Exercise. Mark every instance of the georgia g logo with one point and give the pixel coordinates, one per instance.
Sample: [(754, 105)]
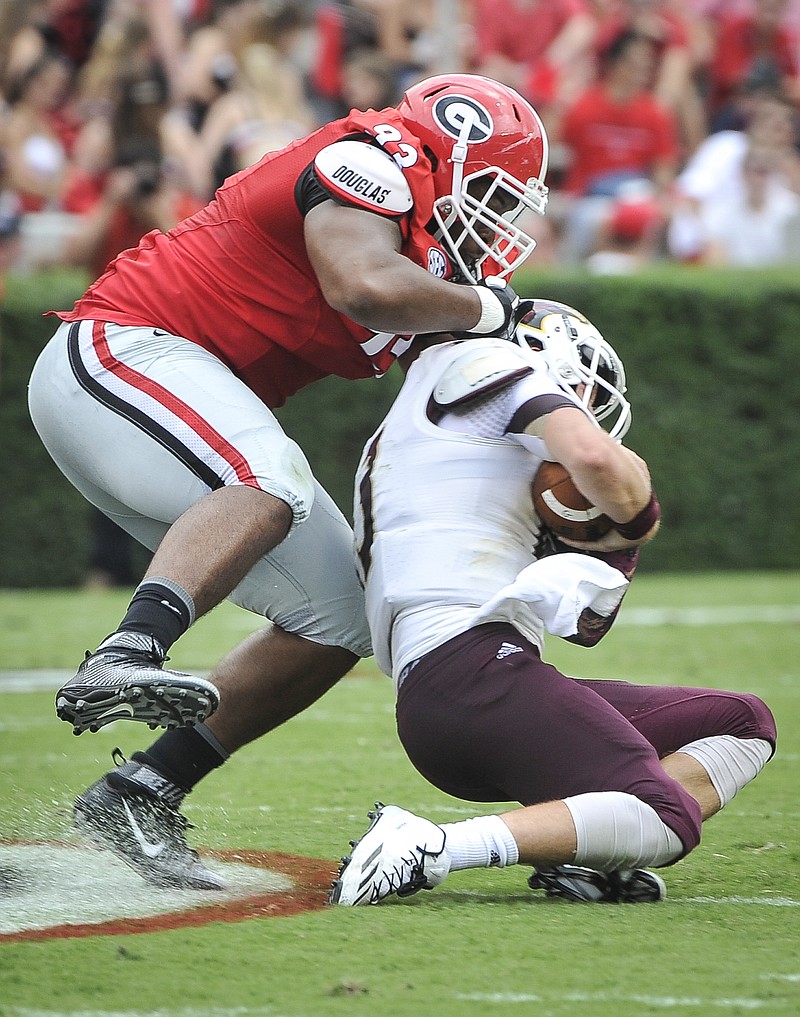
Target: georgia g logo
[(465, 118)]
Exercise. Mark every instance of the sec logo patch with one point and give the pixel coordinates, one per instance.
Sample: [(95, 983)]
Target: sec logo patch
[(437, 263)]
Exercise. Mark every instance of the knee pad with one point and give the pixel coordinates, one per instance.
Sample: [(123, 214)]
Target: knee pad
[(730, 762), (616, 830)]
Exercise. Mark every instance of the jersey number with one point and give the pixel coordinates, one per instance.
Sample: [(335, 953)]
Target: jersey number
[(389, 137)]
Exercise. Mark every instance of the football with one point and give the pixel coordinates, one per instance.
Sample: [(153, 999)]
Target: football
[(563, 509)]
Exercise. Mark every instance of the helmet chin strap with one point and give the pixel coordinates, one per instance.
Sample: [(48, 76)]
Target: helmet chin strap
[(459, 158)]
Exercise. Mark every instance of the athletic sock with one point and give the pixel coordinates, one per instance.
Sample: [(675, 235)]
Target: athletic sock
[(480, 842), (184, 755), (160, 608)]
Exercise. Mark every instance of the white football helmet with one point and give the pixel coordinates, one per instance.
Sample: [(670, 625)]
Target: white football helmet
[(488, 151), (575, 354)]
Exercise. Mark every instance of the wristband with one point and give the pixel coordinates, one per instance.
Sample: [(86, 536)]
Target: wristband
[(493, 317), (642, 522)]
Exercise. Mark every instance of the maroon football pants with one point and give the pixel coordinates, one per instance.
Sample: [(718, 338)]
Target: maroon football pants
[(483, 718)]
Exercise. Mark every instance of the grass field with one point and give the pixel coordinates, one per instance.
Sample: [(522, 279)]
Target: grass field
[(726, 941)]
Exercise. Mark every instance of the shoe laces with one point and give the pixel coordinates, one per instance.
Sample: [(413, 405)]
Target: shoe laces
[(152, 654), (405, 878)]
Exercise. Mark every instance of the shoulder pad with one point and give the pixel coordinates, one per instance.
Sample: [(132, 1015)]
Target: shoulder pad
[(478, 368), (360, 174)]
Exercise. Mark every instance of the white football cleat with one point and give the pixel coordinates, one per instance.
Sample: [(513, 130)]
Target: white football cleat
[(399, 854)]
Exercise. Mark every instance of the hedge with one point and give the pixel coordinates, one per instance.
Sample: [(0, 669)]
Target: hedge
[(711, 361)]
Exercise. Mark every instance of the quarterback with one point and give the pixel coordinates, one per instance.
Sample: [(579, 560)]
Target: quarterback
[(154, 398), (461, 585)]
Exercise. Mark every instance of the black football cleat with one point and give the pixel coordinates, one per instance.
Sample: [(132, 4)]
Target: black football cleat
[(124, 679), (577, 883)]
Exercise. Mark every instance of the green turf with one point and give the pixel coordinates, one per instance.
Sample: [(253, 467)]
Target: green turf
[(727, 940)]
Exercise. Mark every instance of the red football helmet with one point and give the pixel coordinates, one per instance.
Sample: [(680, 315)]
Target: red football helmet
[(489, 150)]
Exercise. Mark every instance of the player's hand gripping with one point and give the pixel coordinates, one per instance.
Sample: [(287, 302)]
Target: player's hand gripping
[(501, 312), (645, 525)]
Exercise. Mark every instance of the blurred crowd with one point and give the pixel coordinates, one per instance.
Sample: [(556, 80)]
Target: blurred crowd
[(673, 123)]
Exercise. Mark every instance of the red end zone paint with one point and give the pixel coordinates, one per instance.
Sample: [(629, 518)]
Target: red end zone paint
[(310, 880)]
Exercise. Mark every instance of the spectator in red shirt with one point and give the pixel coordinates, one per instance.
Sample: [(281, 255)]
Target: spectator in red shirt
[(137, 197), (761, 41), (617, 130), (619, 140), (539, 47), (679, 55), (342, 28)]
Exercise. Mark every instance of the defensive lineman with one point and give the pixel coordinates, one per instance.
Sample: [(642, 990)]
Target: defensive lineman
[(155, 395)]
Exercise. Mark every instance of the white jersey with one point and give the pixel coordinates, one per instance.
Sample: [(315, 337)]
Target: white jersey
[(419, 480)]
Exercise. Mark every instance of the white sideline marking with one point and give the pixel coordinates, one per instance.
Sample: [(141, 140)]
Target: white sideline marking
[(47, 884), (769, 614), (44, 679), (31, 681), (775, 902), (238, 1011), (668, 1002), (224, 810)]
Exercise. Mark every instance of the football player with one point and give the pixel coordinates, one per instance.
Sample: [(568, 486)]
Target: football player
[(460, 588), (154, 398)]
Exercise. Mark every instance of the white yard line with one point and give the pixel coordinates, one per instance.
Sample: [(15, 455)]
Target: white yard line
[(775, 902), (238, 1011), (761, 614), (591, 998), (492, 998)]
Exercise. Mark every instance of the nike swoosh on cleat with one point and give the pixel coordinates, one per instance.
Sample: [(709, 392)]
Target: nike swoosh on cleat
[(151, 850), (120, 707)]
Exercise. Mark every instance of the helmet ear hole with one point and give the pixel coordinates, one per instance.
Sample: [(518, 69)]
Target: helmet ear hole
[(434, 161)]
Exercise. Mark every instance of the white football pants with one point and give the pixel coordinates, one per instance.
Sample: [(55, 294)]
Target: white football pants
[(144, 424)]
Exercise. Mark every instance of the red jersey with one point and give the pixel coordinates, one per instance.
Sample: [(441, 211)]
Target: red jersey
[(740, 47), (522, 32), (235, 277), (667, 29), (606, 137)]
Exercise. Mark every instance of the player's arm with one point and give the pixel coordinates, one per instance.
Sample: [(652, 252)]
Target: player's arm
[(612, 477), (353, 240), (361, 272)]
